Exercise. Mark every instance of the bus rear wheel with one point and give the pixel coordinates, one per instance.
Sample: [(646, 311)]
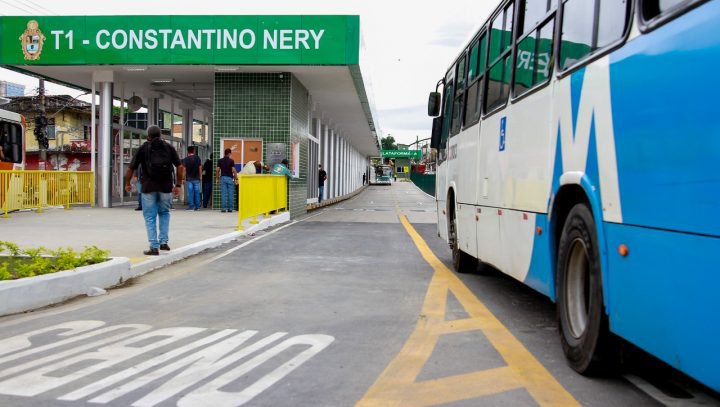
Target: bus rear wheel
[(580, 309), (462, 262)]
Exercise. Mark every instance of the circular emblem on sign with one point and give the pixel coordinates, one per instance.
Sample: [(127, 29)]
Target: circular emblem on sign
[(32, 41)]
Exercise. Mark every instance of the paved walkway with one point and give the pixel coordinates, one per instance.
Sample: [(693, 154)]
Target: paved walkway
[(120, 229)]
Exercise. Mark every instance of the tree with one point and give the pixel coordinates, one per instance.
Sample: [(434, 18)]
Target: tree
[(388, 143)]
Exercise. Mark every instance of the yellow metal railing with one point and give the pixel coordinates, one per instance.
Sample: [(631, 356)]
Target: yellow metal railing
[(42, 189), (260, 195)]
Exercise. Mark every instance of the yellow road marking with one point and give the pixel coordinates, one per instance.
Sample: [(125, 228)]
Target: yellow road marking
[(397, 385)]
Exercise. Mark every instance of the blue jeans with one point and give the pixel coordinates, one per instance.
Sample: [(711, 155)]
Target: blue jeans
[(193, 192), (320, 195), (227, 192), (156, 205)]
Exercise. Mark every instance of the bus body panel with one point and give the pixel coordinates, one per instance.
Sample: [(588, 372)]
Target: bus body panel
[(667, 129), (441, 195), (665, 297), (467, 234), (465, 164)]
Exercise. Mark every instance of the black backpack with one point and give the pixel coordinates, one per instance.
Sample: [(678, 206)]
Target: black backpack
[(158, 160)]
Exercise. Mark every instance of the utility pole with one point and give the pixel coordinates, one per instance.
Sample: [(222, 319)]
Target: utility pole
[(41, 127)]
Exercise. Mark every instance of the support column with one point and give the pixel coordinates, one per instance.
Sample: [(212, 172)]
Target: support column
[(324, 144), (187, 124), (333, 163), (104, 174), (343, 167), (343, 186), (153, 110)]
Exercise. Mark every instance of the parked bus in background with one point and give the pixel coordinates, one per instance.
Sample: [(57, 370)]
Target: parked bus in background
[(578, 143), (12, 141), (383, 174)]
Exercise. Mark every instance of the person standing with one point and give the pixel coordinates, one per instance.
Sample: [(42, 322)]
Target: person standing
[(193, 169), (364, 178), (157, 159), (226, 176), (322, 177), (207, 181)]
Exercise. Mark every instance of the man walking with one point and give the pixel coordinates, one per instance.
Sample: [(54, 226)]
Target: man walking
[(322, 177), (157, 158), (226, 176), (193, 169)]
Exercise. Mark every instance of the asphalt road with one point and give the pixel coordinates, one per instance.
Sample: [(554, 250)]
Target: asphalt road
[(352, 305)]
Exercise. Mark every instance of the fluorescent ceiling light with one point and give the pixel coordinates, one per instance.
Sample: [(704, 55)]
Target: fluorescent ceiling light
[(163, 80), (135, 68)]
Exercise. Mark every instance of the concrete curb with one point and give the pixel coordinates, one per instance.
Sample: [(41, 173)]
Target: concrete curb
[(35, 292), (31, 293)]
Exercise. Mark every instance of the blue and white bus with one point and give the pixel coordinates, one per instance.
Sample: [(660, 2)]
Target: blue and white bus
[(578, 145)]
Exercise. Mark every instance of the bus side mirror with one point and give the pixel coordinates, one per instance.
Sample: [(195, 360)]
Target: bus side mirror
[(434, 104), (436, 130)]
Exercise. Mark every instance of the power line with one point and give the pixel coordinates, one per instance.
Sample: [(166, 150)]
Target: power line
[(24, 8), (41, 7)]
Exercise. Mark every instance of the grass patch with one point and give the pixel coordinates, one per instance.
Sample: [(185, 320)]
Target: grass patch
[(23, 263)]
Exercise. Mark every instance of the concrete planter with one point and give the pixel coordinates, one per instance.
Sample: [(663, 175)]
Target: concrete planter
[(34, 292)]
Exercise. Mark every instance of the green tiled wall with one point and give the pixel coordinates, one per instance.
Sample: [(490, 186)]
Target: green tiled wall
[(299, 129), (260, 105)]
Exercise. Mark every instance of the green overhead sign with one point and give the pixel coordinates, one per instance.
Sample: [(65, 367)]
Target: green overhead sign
[(180, 40), (416, 154)]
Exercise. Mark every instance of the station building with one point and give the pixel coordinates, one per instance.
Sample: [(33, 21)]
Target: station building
[(268, 87)]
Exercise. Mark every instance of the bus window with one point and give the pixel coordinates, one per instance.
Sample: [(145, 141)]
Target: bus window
[(577, 31), (10, 142), (472, 62), (584, 31), (500, 59), (458, 100), (534, 53), (473, 97), (655, 8), (447, 114), (611, 22)]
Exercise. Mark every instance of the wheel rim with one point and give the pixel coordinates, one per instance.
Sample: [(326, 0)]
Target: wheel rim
[(577, 288)]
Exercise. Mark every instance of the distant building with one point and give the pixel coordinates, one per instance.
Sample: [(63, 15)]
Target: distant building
[(11, 89), (68, 130)]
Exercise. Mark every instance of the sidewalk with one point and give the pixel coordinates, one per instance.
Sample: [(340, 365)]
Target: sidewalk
[(120, 230)]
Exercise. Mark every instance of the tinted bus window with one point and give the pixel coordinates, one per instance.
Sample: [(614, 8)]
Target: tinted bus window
[(447, 114), (473, 62), (10, 142), (474, 94), (498, 78), (655, 8)]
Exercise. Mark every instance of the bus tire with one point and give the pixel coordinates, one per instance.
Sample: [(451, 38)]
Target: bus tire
[(462, 262), (580, 307)]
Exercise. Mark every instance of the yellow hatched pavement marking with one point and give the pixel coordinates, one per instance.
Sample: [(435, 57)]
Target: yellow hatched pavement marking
[(397, 385)]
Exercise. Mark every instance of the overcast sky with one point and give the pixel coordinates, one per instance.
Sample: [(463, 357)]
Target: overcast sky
[(408, 44)]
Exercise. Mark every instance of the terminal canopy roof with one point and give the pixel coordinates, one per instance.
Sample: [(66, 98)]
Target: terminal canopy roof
[(178, 56)]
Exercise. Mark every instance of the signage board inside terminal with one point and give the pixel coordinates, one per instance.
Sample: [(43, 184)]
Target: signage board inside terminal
[(179, 40), (416, 154)]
